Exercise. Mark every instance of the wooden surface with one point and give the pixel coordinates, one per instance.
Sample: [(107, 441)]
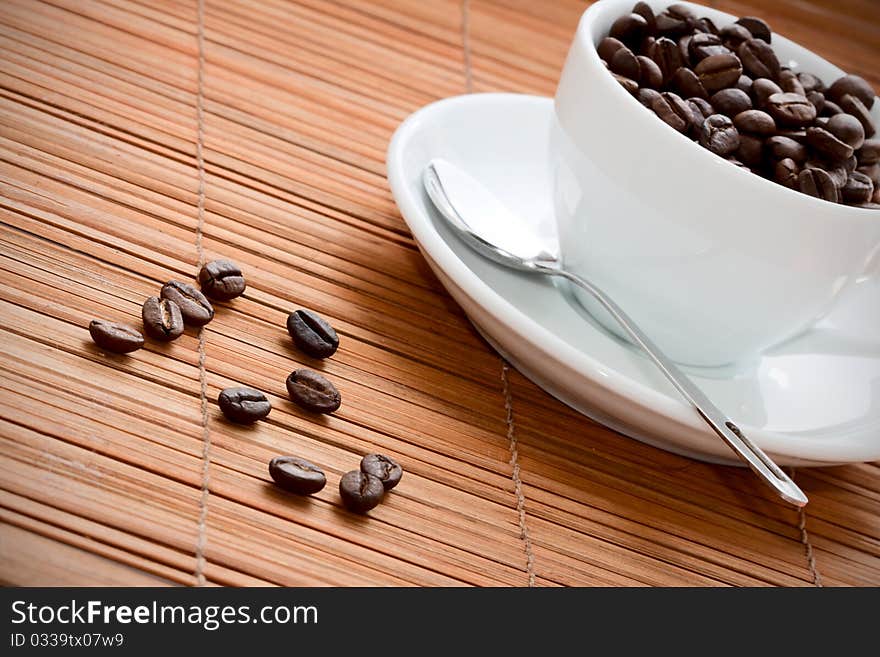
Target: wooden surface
[(137, 137)]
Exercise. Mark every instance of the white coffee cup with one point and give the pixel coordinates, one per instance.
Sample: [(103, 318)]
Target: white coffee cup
[(715, 263)]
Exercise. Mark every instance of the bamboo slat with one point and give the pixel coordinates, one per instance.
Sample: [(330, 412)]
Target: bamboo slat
[(138, 137)]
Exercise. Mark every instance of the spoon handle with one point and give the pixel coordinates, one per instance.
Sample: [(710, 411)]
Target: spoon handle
[(761, 464)]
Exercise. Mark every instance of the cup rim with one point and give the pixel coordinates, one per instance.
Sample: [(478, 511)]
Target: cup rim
[(811, 203)]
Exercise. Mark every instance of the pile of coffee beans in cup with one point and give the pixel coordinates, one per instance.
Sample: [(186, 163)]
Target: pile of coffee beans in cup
[(726, 89)]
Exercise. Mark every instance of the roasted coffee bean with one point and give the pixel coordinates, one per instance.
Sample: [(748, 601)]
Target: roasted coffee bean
[(686, 83), (649, 73), (869, 153), (683, 48), (731, 101), (756, 27), (387, 470), (735, 162), (360, 491), (818, 183), (851, 85), (758, 59), (115, 337), (827, 145), (647, 46), (744, 84), (750, 150), (630, 85), (194, 306), (682, 12), (797, 135), (629, 28), (647, 97), (762, 89), (667, 57), (847, 129), (733, 36), (718, 71), (780, 148), (830, 108), (162, 319), (222, 280), (872, 171), (607, 47), (670, 26), (719, 135), (704, 45), (244, 405), (858, 188), (644, 10), (837, 172), (790, 83), (810, 82), (853, 105), (313, 391), (817, 98), (755, 122), (624, 63), (790, 110), (786, 173), (674, 111), (706, 25), (297, 475), (700, 109), (850, 164), (312, 333)]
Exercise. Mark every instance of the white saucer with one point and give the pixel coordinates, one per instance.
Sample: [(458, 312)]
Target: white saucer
[(813, 401)]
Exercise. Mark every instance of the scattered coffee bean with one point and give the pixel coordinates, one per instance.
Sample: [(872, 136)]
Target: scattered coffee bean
[(297, 475), (756, 27), (195, 308), (755, 122), (719, 135), (818, 183), (751, 150), (644, 10), (733, 36), (387, 470), (115, 337), (731, 101), (313, 391), (700, 109), (704, 45), (162, 319), (718, 71), (360, 491), (817, 98), (222, 280), (851, 85), (830, 108), (706, 25), (758, 59), (827, 145), (810, 82), (312, 333), (745, 84), (647, 97), (244, 405), (858, 188), (847, 129)]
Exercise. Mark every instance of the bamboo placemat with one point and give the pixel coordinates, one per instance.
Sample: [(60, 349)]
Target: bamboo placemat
[(140, 137)]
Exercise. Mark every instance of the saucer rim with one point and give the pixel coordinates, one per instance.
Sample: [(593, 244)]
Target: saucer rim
[(645, 399)]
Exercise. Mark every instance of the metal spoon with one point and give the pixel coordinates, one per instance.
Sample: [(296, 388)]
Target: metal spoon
[(485, 225)]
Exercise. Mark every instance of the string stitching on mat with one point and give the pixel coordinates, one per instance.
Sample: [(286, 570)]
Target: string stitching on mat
[(517, 481), (203, 378), (805, 539)]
